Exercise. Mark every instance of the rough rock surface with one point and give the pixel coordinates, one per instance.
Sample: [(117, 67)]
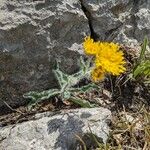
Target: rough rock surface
[(124, 21), (33, 33), (56, 132)]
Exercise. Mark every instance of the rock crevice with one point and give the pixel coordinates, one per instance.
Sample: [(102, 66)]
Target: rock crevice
[(89, 17)]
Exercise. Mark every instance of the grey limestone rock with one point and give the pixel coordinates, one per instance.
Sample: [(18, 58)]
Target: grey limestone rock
[(123, 21), (34, 33), (56, 132)]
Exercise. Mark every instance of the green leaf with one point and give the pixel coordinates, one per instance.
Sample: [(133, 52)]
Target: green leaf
[(88, 87), (139, 69), (66, 95), (66, 83), (142, 69), (81, 102), (85, 65), (143, 50), (85, 88), (39, 96), (147, 81), (62, 78), (82, 65)]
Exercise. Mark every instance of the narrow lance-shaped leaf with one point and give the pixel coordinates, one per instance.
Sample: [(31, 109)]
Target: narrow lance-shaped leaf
[(143, 50), (142, 68), (81, 102), (39, 96), (62, 78), (85, 88)]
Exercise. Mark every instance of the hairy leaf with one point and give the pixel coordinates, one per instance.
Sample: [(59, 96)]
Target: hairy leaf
[(82, 103), (85, 88), (39, 96)]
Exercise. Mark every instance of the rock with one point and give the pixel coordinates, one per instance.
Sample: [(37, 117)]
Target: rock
[(125, 21), (56, 132), (33, 34)]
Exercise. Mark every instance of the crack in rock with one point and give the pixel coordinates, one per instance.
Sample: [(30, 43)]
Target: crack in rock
[(89, 17), (134, 10)]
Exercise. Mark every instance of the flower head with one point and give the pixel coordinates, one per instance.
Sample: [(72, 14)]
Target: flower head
[(108, 58), (97, 74), (90, 47)]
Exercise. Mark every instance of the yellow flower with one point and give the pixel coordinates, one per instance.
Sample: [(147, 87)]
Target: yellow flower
[(97, 74), (110, 58), (90, 47)]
